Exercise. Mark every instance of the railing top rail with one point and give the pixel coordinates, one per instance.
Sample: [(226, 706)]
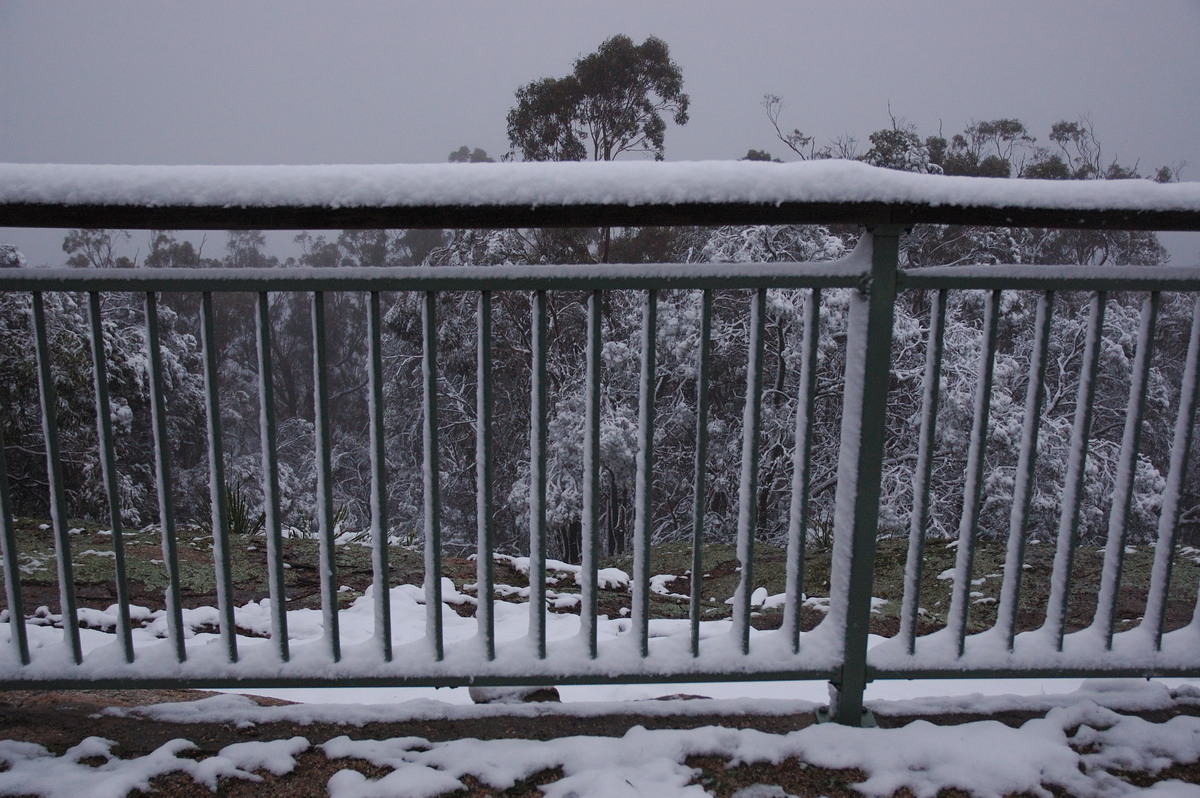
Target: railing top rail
[(567, 195)]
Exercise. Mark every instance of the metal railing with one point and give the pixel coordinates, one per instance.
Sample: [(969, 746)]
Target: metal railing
[(836, 650)]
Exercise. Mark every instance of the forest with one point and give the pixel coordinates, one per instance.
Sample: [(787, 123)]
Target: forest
[(612, 104)]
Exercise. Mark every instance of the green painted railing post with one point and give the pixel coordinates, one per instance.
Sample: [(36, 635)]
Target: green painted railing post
[(856, 520)]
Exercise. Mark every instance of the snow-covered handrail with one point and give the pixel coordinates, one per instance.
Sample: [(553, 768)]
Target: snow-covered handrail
[(569, 194)]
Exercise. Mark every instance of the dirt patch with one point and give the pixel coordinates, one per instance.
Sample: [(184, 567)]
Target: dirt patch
[(792, 775), (308, 780)]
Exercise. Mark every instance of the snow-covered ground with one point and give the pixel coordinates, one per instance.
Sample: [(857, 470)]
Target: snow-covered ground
[(1076, 743)]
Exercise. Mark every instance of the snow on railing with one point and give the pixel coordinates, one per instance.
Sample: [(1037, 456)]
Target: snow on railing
[(536, 194), (402, 634)]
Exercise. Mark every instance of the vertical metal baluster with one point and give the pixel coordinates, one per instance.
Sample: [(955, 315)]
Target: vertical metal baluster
[(922, 476), (748, 489), (956, 618), (1068, 533), (1035, 395), (108, 472), (644, 486), (860, 459), (1168, 518), (591, 477), (537, 478), (801, 474), (162, 463), (272, 524), (324, 447), (433, 497), (699, 479), (58, 500), (1122, 495), (485, 541), (216, 481), (379, 520), (12, 566)]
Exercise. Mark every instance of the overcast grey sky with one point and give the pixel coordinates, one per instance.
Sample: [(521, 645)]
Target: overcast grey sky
[(83, 81)]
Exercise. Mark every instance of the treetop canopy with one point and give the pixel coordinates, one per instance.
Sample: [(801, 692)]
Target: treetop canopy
[(612, 102)]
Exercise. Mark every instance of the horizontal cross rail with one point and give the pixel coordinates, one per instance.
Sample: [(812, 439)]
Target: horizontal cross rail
[(1025, 277), (607, 277), (845, 273)]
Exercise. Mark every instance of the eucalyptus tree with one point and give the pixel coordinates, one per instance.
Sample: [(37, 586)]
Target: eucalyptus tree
[(615, 101), (612, 103)]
